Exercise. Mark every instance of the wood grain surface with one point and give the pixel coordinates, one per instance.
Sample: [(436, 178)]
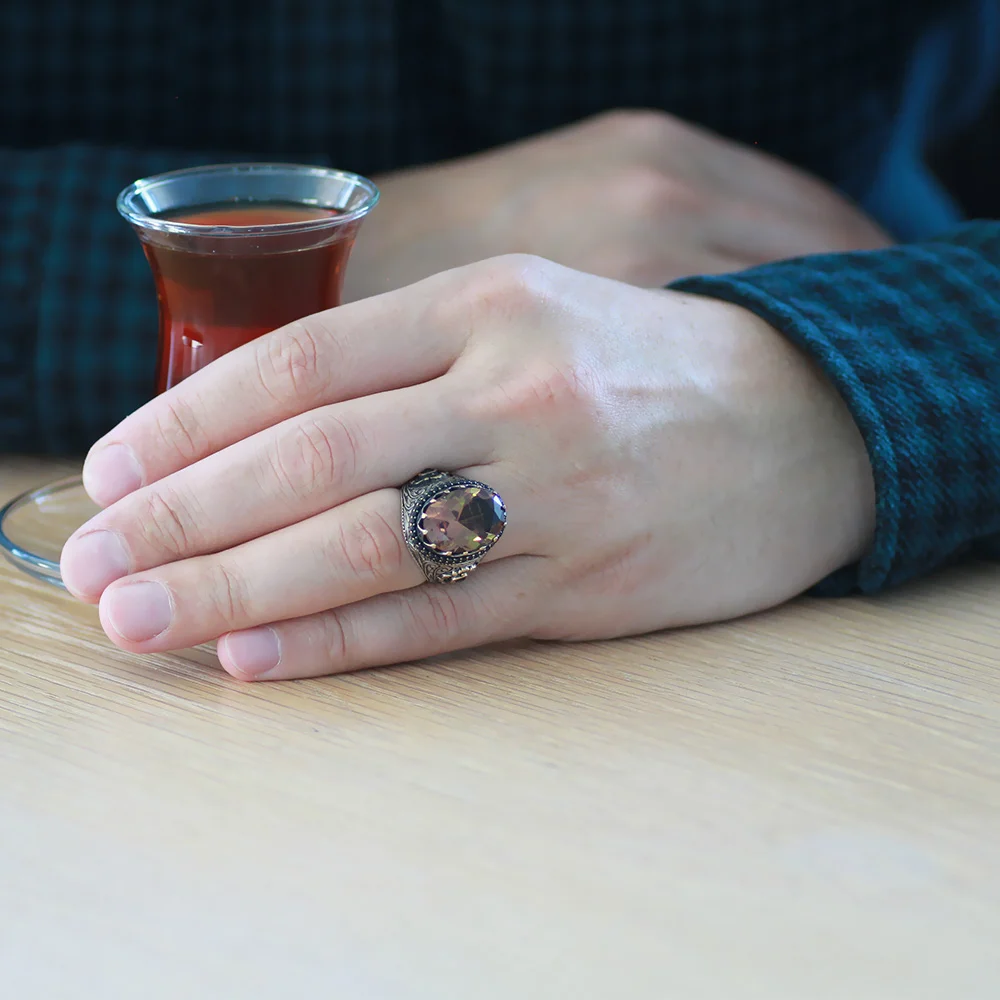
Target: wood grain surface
[(803, 804)]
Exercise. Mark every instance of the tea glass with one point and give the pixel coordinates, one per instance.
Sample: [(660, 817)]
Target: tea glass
[(268, 244)]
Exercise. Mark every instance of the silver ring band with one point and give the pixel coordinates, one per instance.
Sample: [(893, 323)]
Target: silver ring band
[(450, 523)]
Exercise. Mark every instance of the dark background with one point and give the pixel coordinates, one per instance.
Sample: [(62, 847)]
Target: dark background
[(970, 165)]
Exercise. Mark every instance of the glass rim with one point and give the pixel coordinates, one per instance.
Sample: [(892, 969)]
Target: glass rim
[(33, 563), (144, 220)]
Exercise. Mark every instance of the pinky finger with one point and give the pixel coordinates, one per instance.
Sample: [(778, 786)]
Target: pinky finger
[(499, 601)]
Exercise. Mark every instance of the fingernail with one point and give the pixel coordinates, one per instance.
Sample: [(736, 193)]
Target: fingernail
[(111, 473), (253, 652), (92, 561), (140, 611)]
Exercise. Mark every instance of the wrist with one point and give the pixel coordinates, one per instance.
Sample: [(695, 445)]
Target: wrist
[(810, 448)]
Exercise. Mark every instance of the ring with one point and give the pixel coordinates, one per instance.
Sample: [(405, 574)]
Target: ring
[(450, 523)]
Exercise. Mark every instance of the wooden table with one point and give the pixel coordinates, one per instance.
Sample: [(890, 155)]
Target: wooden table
[(804, 804)]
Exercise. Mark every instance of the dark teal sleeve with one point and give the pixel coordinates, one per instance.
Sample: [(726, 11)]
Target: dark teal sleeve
[(910, 336), (77, 302)]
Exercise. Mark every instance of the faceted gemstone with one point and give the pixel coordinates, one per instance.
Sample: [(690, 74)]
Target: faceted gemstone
[(463, 521)]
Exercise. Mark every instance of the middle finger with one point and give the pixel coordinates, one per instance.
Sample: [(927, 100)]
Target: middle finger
[(275, 478)]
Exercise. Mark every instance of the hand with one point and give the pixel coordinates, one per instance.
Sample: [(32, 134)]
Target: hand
[(665, 460), (638, 196)]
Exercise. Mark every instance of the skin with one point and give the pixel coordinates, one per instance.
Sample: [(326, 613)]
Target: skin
[(665, 459), (639, 196)]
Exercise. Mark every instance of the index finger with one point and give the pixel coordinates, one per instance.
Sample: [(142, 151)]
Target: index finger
[(386, 342)]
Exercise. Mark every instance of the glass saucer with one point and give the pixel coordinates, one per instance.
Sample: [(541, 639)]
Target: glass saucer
[(35, 525)]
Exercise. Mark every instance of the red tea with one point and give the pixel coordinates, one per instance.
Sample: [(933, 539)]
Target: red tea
[(219, 292)]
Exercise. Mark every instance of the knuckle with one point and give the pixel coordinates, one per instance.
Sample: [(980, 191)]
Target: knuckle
[(645, 192), (542, 393), (335, 642), (292, 362), (178, 428), (229, 595), (166, 522), (435, 616), (371, 547), (524, 278), (506, 286), (314, 452), (637, 126)]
